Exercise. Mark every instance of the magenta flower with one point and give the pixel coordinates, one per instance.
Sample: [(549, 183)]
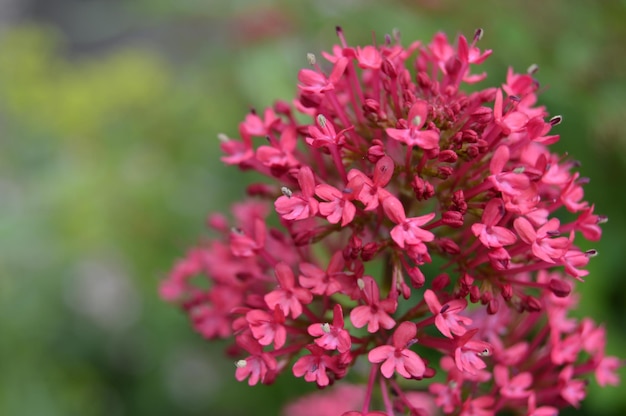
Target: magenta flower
[(413, 135), (398, 357), (376, 313), (288, 297), (332, 337), (447, 318), (313, 367), (380, 166), (489, 234), (408, 231)]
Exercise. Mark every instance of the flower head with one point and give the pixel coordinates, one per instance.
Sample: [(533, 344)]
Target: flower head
[(384, 167)]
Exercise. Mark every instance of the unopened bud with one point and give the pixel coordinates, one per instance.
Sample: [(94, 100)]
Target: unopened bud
[(452, 219), (389, 69), (560, 288), (444, 172), (532, 304), (440, 282), (369, 251), (417, 277), (448, 156), (474, 294), (449, 246), (493, 307), (507, 292)]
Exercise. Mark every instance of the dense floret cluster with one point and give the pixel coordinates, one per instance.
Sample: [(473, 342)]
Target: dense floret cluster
[(410, 225)]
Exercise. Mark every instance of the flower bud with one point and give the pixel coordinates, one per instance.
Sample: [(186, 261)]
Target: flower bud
[(452, 219), (560, 288)]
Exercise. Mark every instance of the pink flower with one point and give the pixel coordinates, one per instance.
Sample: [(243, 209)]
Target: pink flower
[(468, 355), (606, 371), (414, 136), (328, 402), (243, 245), (280, 155), (288, 297), (376, 313), (315, 82), (545, 248), (299, 206), (323, 282), (325, 135), (398, 357), (332, 337), (313, 367), (386, 164), (533, 410), (268, 328), (408, 231), (338, 205), (259, 366), (571, 390), (490, 234), (514, 388), (447, 318), (512, 121), (480, 406), (371, 192), (253, 125)]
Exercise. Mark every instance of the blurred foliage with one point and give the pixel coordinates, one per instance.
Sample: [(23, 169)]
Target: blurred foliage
[(109, 164)]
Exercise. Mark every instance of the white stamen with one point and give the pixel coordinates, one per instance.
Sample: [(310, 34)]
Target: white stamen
[(222, 137), (311, 58), (326, 327), (286, 191), (241, 364), (360, 283), (321, 120)]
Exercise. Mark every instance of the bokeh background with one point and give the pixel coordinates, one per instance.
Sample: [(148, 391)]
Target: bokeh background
[(109, 163)]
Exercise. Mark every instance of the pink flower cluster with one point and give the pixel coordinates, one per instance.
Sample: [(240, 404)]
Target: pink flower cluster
[(411, 225)]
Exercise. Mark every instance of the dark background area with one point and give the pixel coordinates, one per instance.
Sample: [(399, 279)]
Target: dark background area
[(109, 163)]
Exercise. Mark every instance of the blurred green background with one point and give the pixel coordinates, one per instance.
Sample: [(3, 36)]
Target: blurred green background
[(109, 163)]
